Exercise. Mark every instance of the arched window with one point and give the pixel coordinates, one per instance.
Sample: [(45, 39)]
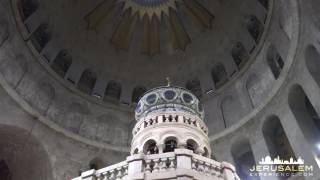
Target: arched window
[(150, 147), (239, 54), (41, 37), (195, 87), (276, 139), (113, 91), (219, 75), (244, 159), (192, 145), (87, 81), (4, 171), (62, 63), (274, 61), (312, 57), (206, 152), (137, 93), (306, 116), (27, 8), (136, 151), (170, 145), (254, 27)]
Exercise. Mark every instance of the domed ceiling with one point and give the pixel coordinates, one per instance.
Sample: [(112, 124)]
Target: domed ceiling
[(106, 46)]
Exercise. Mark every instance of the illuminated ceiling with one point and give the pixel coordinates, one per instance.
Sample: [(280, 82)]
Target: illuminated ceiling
[(152, 14)]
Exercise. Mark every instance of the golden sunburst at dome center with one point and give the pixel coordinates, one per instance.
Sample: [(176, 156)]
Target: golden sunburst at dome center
[(152, 14)]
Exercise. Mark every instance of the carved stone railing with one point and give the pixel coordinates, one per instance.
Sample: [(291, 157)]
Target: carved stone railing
[(117, 171), (180, 163), (167, 119)]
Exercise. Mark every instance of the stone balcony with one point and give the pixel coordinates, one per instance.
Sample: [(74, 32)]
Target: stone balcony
[(180, 164), (167, 118)]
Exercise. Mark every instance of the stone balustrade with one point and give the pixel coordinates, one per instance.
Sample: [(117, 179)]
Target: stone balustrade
[(172, 118), (181, 163)]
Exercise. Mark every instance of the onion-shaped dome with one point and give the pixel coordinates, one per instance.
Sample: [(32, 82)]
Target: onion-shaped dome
[(169, 99)]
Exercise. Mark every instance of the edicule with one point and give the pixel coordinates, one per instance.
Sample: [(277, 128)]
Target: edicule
[(170, 141)]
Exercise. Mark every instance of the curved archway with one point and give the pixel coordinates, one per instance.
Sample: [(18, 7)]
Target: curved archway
[(244, 159), (23, 155), (312, 58), (150, 147), (306, 116), (87, 81), (275, 61), (276, 138)]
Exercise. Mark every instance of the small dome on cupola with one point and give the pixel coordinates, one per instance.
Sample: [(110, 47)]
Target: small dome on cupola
[(169, 98)]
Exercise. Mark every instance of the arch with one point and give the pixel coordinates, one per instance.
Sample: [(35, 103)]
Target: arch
[(306, 116), (113, 91), (87, 81), (239, 54), (170, 144), (277, 141), (206, 152), (192, 145), (136, 151), (195, 87), (138, 93), (254, 27), (275, 61), (150, 147), (312, 58), (231, 110), (242, 154), (62, 63), (219, 75), (30, 159), (27, 7), (41, 36)]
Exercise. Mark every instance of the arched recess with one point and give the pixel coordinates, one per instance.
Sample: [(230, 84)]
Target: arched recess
[(195, 87), (62, 63), (113, 91), (150, 147), (87, 81), (137, 93), (219, 75), (254, 27), (307, 117), (239, 54), (312, 58), (242, 154), (231, 110), (27, 7), (275, 61), (41, 36), (22, 155), (276, 139)]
